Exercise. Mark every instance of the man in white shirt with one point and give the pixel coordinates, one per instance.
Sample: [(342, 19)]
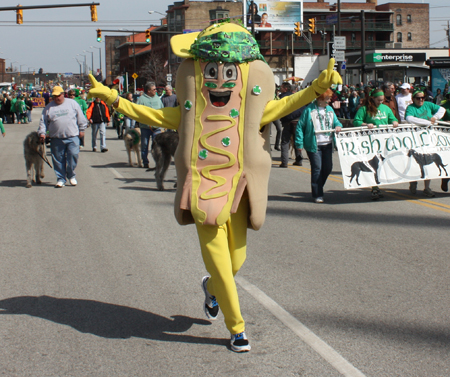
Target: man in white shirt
[(404, 99)]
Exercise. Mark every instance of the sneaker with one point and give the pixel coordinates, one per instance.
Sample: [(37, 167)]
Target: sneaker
[(104, 150), (318, 200), (297, 163), (211, 306), (73, 181), (375, 195), (444, 185), (428, 193), (239, 343), (413, 187), (94, 149), (81, 146), (283, 166), (60, 184), (277, 148)]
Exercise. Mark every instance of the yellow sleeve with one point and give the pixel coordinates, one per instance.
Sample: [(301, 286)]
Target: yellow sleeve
[(167, 117), (277, 109)]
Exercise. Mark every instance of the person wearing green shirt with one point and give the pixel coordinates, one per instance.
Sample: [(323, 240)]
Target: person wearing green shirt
[(374, 114), (424, 114), (12, 109), (2, 128), (75, 95)]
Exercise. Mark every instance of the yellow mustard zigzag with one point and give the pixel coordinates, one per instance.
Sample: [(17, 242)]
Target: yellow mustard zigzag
[(206, 171)]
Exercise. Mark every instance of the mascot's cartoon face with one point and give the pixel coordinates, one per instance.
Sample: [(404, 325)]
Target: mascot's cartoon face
[(222, 84)]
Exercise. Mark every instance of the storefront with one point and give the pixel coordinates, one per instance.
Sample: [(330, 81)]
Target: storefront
[(440, 73), (391, 65)]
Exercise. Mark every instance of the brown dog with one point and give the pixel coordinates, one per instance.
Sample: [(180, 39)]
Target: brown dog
[(34, 152), (132, 141)]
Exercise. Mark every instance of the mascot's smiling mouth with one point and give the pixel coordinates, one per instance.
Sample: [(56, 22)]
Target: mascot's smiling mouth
[(219, 99)]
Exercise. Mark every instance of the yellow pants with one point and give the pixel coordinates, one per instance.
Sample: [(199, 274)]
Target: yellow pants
[(224, 251)]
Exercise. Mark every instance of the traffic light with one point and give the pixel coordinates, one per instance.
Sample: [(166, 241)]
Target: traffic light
[(19, 16), (297, 30), (147, 36), (99, 35), (94, 13), (312, 25)]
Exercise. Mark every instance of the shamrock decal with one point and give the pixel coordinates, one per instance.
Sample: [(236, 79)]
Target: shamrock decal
[(226, 141), (188, 105), (203, 154), (257, 90), (234, 113)]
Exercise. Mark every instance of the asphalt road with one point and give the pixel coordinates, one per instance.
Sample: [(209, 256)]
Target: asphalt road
[(100, 280)]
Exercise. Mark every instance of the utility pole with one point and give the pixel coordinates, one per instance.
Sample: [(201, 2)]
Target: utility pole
[(363, 45)]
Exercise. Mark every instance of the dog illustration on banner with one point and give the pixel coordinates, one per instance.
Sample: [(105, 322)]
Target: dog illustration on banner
[(370, 166), (423, 159)]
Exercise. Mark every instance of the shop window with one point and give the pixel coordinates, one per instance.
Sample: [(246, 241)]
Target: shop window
[(409, 37), (408, 18), (399, 37), (399, 19), (353, 37)]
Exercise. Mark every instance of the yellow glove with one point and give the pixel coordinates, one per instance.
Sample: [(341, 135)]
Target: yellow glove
[(101, 91), (327, 78)]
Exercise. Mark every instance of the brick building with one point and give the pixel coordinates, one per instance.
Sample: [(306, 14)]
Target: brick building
[(387, 26)]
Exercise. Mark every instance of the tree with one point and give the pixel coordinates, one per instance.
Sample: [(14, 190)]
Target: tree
[(153, 69), (41, 71)]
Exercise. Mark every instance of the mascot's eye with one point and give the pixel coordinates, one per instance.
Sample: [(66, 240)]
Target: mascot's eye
[(211, 71), (230, 72)]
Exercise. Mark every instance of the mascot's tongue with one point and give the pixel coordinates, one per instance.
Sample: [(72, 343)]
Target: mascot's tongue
[(219, 103)]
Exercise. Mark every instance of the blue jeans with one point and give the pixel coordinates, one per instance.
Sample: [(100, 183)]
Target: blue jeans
[(102, 128), (146, 134), (29, 116), (321, 166), (65, 156), (129, 123)]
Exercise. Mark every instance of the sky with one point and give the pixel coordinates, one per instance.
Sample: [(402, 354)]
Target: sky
[(52, 38)]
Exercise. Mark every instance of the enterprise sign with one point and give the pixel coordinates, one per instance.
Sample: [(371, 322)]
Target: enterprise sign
[(398, 58)]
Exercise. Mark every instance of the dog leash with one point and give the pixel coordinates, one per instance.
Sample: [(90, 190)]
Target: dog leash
[(44, 157)]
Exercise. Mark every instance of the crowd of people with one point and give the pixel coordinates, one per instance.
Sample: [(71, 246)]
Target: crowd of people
[(356, 106)]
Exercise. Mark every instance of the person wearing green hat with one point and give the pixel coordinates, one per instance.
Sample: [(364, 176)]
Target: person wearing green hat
[(423, 114), (225, 90), (374, 114)]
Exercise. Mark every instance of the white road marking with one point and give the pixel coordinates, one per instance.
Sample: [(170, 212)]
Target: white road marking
[(116, 173), (317, 344)]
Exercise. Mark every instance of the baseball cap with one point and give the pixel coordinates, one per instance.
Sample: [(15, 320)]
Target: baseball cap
[(405, 85), (57, 90)]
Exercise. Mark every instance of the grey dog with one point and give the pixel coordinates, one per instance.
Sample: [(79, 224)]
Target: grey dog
[(33, 151), (163, 149)]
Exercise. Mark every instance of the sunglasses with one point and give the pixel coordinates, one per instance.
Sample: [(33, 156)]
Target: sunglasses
[(419, 98)]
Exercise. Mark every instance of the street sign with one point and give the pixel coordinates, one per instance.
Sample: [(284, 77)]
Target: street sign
[(169, 77), (134, 76), (339, 55), (339, 43), (344, 64)]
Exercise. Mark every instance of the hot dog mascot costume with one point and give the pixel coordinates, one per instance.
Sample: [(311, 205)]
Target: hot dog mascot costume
[(226, 94)]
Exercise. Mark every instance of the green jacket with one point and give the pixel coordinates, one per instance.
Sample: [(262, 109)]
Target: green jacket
[(384, 116), (12, 109), (2, 128), (305, 135), (20, 106)]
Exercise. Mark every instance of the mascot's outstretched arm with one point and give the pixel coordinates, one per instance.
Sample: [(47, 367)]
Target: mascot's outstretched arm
[(277, 109), (168, 117)]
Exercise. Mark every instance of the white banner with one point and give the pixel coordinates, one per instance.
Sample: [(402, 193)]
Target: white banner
[(393, 155)]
